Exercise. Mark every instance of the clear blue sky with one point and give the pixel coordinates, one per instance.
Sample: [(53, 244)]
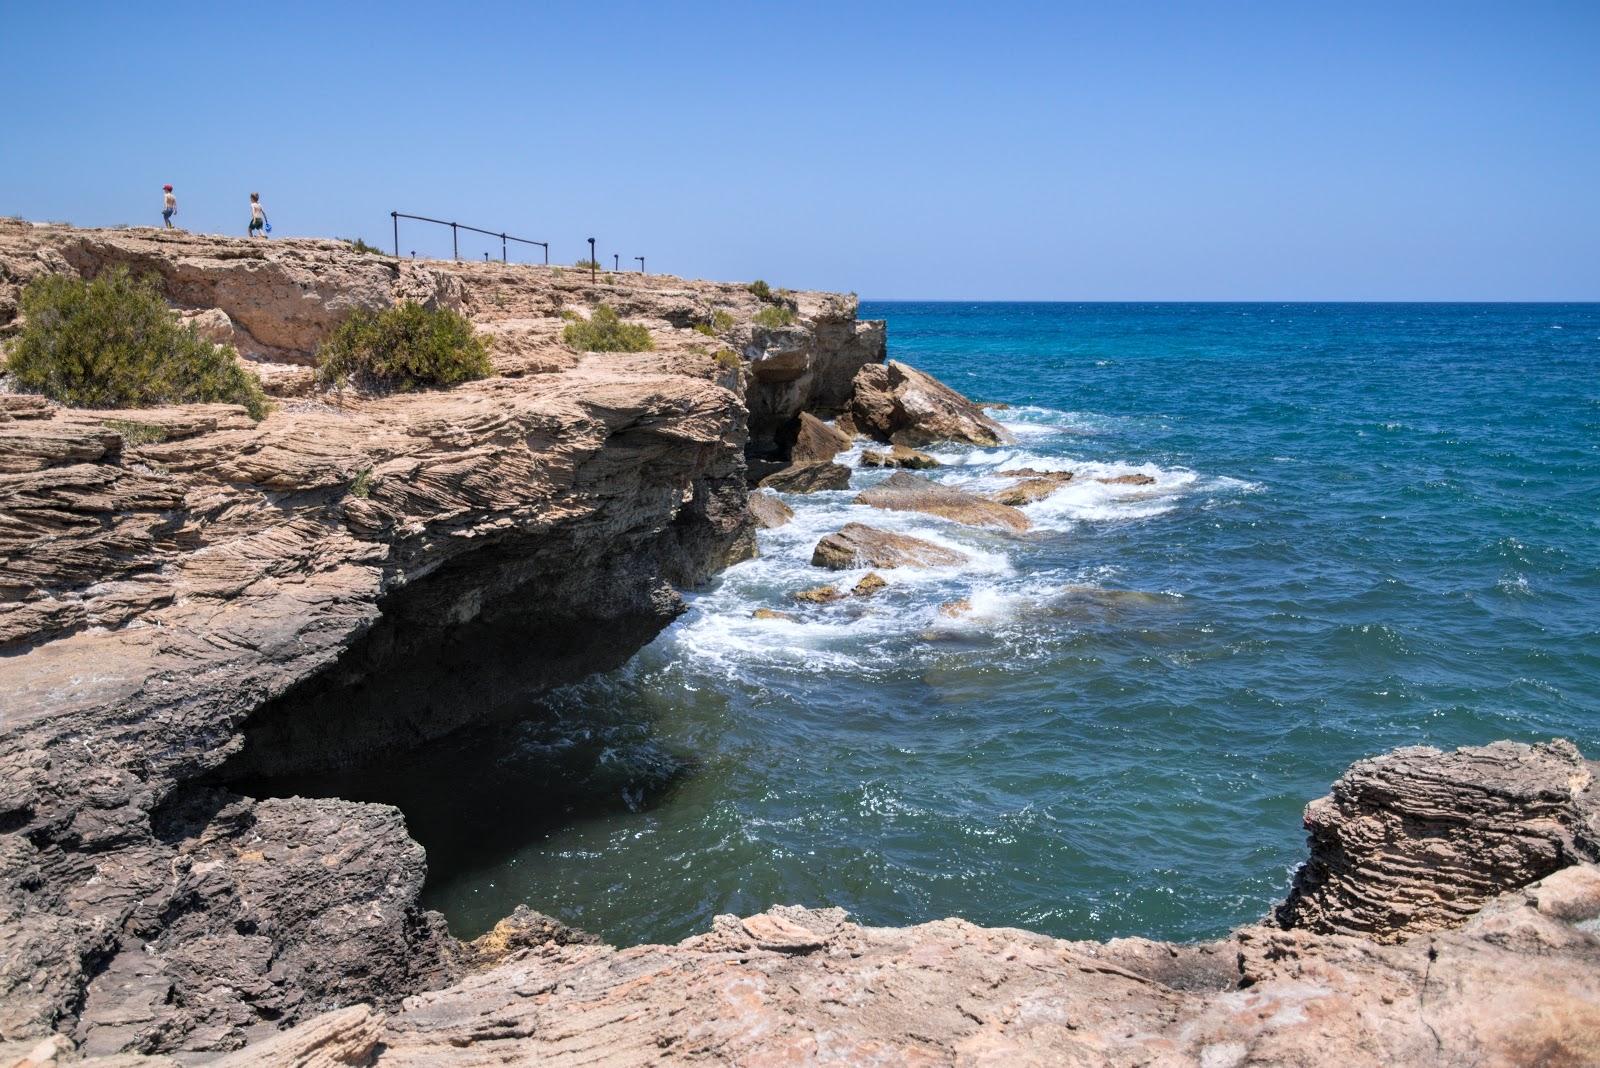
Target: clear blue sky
[(1279, 150)]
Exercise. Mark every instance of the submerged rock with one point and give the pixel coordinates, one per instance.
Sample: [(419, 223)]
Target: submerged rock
[(1035, 486), (955, 609), (899, 456), (772, 613), (808, 477), (858, 545), (816, 440), (897, 403), (904, 492), (1129, 480), (820, 595), (769, 511), (870, 583)]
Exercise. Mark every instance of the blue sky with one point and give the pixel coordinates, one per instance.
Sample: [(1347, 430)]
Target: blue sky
[(997, 151)]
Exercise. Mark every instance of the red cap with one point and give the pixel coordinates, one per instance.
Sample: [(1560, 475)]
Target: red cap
[(168, 188)]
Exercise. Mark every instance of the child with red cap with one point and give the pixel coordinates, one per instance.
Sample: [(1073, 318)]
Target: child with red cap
[(169, 206)]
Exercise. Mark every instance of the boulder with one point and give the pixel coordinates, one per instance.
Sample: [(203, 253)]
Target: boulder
[(903, 492), (1034, 488), (808, 477), (858, 545), (896, 403), (899, 456), (820, 595), (816, 440), (1129, 480), (769, 511)]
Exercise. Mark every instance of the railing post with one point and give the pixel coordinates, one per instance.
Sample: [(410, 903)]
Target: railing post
[(503, 248), (455, 246), (547, 253), (593, 265), (641, 263), (395, 216)]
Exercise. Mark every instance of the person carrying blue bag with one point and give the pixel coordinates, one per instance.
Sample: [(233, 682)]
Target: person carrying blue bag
[(258, 217)]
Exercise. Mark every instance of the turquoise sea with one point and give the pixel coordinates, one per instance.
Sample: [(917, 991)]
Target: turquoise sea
[(1370, 526)]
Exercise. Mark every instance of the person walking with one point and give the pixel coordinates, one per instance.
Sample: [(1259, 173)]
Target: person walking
[(258, 217), (169, 206)]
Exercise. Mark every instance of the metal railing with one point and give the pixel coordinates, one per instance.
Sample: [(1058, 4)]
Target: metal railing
[(455, 242)]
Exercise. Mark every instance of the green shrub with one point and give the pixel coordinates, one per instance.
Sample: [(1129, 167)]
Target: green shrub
[(773, 315), (136, 433), (721, 321), (587, 265), (760, 289), (358, 245), (604, 332), (727, 359), (403, 348), (704, 328), (114, 343)]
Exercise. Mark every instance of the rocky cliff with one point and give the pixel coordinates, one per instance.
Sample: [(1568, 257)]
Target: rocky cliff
[(188, 598)]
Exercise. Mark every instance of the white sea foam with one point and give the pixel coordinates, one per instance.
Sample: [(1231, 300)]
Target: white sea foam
[(869, 634)]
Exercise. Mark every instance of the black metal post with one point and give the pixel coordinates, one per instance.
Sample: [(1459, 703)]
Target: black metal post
[(502, 248), (616, 261), (547, 253), (593, 264), (395, 215), (641, 263), (455, 246)]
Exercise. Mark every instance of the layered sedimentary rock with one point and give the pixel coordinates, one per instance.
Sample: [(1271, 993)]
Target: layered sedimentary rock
[(1516, 983), (1416, 840), (188, 597)]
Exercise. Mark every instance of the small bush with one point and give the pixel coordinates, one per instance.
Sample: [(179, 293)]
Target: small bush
[(604, 332), (721, 321), (587, 265), (773, 315), (361, 485), (727, 359), (358, 245), (114, 343), (704, 328), (760, 289), (403, 348), (136, 433)]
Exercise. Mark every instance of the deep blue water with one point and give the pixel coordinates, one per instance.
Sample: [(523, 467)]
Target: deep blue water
[(1371, 525)]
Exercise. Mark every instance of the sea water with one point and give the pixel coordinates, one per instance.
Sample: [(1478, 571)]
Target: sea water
[(1369, 526)]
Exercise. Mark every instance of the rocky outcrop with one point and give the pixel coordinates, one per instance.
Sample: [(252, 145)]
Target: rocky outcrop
[(189, 599), (807, 367), (1515, 983), (857, 545), (809, 477), (896, 403), (898, 456), (1417, 840), (905, 492)]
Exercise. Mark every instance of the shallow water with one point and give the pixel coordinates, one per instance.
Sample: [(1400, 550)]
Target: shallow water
[(1372, 525)]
